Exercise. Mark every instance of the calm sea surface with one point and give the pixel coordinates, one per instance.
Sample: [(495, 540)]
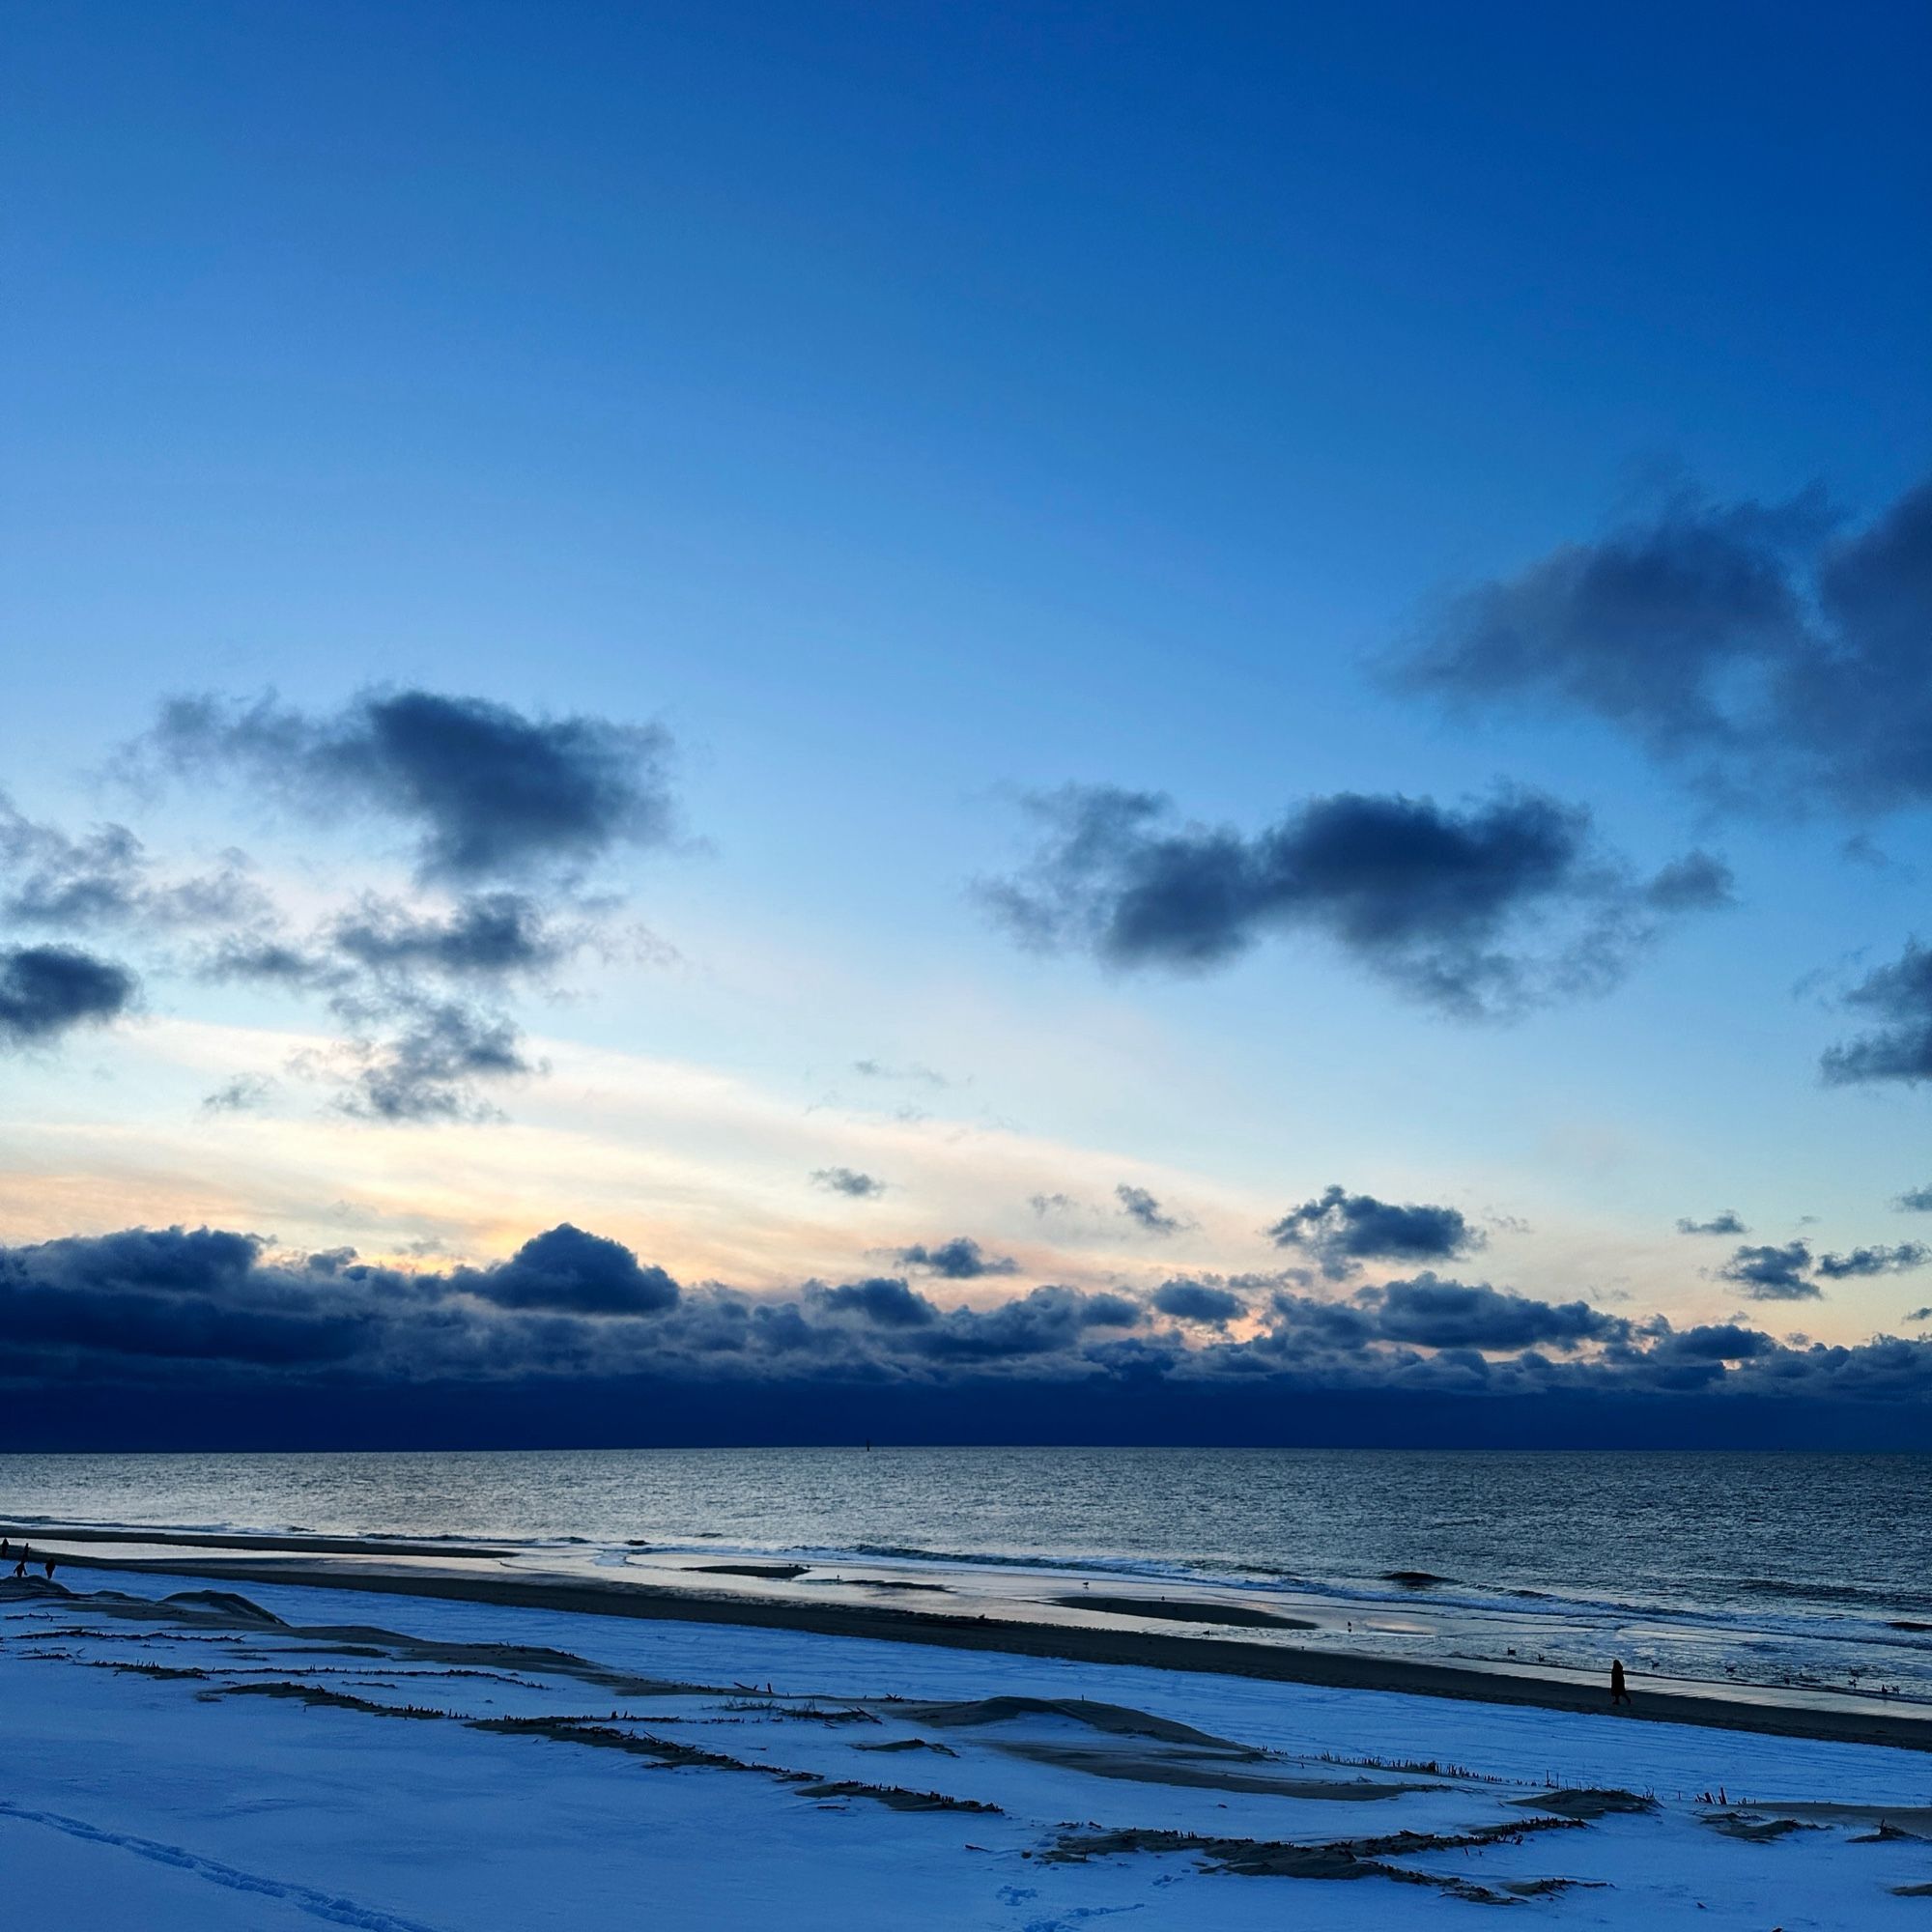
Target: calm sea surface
[(1774, 1563)]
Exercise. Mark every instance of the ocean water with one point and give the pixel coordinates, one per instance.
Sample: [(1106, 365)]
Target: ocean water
[(1761, 1568)]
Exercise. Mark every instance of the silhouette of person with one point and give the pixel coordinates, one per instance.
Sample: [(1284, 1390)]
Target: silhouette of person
[(1619, 1689), (50, 1568), (20, 1568)]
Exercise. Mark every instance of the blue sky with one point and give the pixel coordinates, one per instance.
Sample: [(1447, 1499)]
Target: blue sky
[(910, 411)]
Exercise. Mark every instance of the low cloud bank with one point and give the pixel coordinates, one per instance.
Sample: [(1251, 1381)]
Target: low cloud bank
[(215, 1309)]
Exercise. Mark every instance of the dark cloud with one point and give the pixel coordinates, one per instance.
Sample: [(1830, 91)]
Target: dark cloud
[(47, 991), (487, 791), (60, 883), (1141, 1207), (258, 960), (197, 1319), (1199, 1301), (1481, 912), (1921, 1315), (417, 1046), (884, 1300), (419, 993), (1436, 1314), (169, 1294), (1916, 1200), (1901, 1260), (1773, 1274), (1708, 1345), (848, 1181), (1759, 648), (576, 1273), (962, 1259), (434, 1062), (1725, 1222), (1343, 1230), (1048, 1321), (490, 935), (1899, 1047)]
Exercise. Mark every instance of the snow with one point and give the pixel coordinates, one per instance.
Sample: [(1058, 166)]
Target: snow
[(132, 1798)]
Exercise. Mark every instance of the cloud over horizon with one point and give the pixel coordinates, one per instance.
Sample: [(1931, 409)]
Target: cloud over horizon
[(1340, 1231), (207, 1308)]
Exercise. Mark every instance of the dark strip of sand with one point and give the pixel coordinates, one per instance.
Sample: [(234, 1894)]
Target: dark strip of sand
[(1182, 1610), (1154, 1650)]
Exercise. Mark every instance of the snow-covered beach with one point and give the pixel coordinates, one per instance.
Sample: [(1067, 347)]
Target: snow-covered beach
[(186, 1754)]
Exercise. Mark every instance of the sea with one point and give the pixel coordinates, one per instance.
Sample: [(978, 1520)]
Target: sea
[(1740, 1568)]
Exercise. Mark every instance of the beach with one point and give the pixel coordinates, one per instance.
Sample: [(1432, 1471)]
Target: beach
[(277, 1737), (1156, 1630)]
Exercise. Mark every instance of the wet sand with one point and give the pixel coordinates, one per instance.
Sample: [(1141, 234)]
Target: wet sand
[(1156, 1650)]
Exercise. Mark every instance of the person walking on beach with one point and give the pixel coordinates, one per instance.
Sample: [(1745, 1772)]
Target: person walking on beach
[(1619, 1689)]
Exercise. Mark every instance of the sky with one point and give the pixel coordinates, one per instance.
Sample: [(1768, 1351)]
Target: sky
[(993, 721)]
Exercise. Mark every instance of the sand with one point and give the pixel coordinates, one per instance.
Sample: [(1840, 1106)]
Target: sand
[(1159, 1650)]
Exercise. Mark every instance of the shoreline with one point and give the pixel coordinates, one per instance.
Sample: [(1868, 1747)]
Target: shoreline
[(1154, 1650)]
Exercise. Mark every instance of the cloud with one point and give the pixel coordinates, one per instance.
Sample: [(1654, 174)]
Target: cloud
[(960, 1259), (1916, 1200), (196, 1316), (1773, 1274), (506, 813), (1921, 1315), (419, 995), (1199, 1301), (576, 1273), (1046, 1322), (848, 1181), (269, 961), (487, 792), (491, 935), (1044, 1205), (1901, 1260), (1899, 996), (1141, 1207), (1725, 1222), (1759, 648), (1436, 1314), (884, 1300), (433, 1065), (47, 991), (1343, 1230), (1481, 912), (912, 1070), (59, 883), (239, 1095)]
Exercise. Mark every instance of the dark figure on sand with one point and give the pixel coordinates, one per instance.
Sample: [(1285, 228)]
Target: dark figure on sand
[(1619, 1689)]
